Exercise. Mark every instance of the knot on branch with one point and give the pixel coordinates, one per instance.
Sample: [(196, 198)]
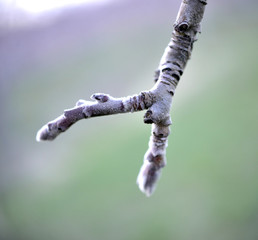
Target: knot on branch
[(204, 2), (181, 27), (100, 97), (158, 115), (147, 118), (160, 132)]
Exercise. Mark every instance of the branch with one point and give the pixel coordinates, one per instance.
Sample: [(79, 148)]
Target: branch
[(157, 101), (104, 104)]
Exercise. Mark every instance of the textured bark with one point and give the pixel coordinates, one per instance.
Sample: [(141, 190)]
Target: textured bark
[(157, 100), (104, 104)]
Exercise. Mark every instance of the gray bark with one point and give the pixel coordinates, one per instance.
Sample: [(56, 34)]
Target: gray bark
[(157, 101)]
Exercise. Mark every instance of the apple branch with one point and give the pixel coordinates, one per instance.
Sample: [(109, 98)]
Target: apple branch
[(157, 101)]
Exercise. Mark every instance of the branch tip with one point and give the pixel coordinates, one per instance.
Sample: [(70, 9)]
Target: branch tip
[(148, 177), (38, 136), (43, 134)]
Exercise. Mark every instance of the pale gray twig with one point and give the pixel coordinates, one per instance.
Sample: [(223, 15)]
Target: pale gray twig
[(157, 101)]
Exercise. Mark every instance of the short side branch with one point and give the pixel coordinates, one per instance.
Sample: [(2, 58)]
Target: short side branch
[(104, 104)]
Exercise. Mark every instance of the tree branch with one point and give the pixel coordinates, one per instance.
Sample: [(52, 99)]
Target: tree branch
[(157, 100), (104, 104)]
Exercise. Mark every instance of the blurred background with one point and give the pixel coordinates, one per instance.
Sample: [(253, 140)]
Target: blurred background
[(83, 184)]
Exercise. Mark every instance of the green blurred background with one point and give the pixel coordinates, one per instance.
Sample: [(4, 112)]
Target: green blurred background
[(83, 184)]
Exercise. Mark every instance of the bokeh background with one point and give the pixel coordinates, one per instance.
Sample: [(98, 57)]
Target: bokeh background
[(83, 184)]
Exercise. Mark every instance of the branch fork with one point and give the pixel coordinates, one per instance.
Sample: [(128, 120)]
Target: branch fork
[(157, 101)]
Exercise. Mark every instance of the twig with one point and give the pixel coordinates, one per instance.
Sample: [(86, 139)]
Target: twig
[(157, 100)]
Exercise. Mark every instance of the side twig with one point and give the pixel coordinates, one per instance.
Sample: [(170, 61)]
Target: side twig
[(157, 101)]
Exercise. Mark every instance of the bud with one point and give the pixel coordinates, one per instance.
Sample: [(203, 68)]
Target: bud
[(148, 176)]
